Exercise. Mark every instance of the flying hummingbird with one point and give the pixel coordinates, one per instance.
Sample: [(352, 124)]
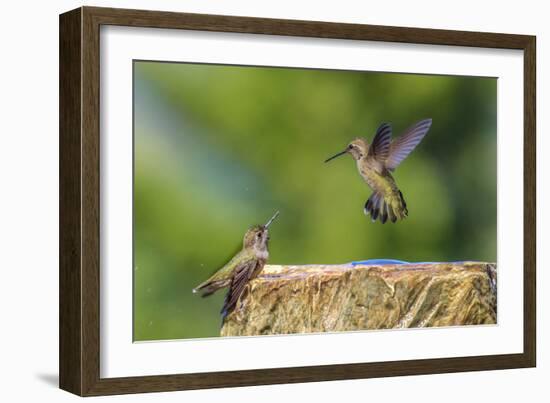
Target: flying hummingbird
[(375, 164), (244, 267)]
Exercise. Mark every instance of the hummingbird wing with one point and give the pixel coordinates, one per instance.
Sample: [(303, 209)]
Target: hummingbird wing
[(380, 147), (403, 146), (242, 276), (222, 277)]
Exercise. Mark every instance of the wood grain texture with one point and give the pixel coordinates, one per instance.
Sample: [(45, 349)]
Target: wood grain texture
[(316, 29), (90, 201), (530, 204), (70, 274), (79, 200)]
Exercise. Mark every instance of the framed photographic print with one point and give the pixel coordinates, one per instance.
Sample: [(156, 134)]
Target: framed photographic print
[(249, 201)]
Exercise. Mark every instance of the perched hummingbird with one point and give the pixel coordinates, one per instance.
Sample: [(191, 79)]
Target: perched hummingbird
[(244, 267), (375, 164)]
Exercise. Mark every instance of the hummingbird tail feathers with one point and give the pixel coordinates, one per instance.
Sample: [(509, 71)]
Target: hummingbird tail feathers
[(382, 207), (208, 288)]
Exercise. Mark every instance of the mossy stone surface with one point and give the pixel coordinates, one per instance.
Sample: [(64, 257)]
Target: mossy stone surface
[(332, 298)]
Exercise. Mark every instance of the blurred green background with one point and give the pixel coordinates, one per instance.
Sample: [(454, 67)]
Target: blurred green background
[(220, 148)]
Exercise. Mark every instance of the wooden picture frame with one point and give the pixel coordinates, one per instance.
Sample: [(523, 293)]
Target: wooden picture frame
[(79, 346)]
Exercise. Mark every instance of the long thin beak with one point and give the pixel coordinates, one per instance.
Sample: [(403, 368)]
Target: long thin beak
[(271, 219), (336, 156)]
